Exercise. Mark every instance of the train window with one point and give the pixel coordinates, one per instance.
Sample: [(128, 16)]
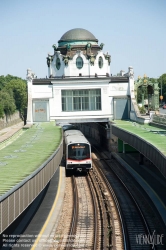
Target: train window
[(78, 152)]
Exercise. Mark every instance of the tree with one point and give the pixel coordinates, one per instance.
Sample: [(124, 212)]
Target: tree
[(7, 102), (13, 94), (2, 82), (139, 94), (19, 88), (5, 79)]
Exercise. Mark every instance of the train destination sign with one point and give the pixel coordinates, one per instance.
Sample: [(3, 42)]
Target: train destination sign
[(78, 146)]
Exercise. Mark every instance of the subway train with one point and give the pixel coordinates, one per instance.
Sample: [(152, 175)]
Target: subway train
[(77, 151), (68, 127)]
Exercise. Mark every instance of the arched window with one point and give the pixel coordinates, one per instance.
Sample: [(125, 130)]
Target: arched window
[(79, 62), (100, 62), (58, 63)]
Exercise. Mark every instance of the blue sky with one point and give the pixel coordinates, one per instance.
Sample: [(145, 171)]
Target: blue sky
[(133, 31)]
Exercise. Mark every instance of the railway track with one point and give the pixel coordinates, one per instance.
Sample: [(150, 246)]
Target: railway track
[(107, 212), (91, 220), (83, 227), (138, 228)]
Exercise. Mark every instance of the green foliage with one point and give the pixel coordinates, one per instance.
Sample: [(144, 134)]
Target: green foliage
[(13, 94), (7, 102), (161, 81), (5, 79), (139, 95), (2, 82), (1, 111), (19, 89), (140, 91), (142, 110)]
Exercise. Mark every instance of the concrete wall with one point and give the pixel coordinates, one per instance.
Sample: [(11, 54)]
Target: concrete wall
[(99, 132), (135, 113), (17, 199), (10, 120)]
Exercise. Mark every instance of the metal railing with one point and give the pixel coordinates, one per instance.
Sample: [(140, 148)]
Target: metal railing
[(15, 201)]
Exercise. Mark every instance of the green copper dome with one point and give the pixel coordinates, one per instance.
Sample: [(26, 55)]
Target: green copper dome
[(77, 35)]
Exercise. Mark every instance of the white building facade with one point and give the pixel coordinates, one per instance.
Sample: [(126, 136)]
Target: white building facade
[(79, 87)]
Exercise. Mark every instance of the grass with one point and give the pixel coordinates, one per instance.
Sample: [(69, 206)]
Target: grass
[(24, 155), (151, 134)]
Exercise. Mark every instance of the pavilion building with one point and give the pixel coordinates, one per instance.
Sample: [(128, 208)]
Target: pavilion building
[(79, 86)]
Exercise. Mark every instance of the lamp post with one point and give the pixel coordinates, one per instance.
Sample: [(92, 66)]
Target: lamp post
[(161, 92), (161, 97)]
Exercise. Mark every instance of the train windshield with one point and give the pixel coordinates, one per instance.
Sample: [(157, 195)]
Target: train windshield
[(78, 151)]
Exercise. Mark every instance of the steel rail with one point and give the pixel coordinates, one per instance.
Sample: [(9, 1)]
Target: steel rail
[(95, 213), (99, 194), (125, 235), (73, 227), (118, 207)]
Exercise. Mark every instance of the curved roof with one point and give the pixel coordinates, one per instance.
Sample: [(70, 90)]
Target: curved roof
[(78, 34)]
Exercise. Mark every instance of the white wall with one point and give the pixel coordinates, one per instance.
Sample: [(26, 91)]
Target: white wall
[(118, 89), (55, 102), (86, 70), (42, 91)]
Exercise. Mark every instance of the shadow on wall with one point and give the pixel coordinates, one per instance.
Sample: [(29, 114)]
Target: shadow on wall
[(10, 120), (99, 132)]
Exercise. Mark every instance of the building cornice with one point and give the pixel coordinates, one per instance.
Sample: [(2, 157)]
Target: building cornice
[(68, 80)]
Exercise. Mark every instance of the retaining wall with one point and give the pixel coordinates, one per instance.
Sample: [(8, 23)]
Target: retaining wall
[(14, 202), (10, 120)]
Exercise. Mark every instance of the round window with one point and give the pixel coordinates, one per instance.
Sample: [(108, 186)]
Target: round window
[(79, 62), (58, 63), (100, 62)]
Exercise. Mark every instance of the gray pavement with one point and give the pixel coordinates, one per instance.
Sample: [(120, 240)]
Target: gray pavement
[(8, 132)]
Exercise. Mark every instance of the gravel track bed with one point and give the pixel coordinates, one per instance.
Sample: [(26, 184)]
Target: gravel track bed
[(117, 239), (65, 217), (85, 226)]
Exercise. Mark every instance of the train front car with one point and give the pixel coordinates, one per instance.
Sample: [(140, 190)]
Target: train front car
[(78, 152)]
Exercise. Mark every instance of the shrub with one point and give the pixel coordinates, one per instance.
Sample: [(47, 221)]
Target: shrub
[(142, 110)]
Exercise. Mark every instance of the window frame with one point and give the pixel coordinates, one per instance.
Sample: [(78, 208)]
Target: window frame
[(79, 60), (81, 100), (100, 62), (58, 63)]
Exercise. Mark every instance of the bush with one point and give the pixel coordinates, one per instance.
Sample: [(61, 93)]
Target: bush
[(142, 110)]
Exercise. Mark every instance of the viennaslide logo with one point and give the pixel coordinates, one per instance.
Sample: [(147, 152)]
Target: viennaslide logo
[(150, 239)]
